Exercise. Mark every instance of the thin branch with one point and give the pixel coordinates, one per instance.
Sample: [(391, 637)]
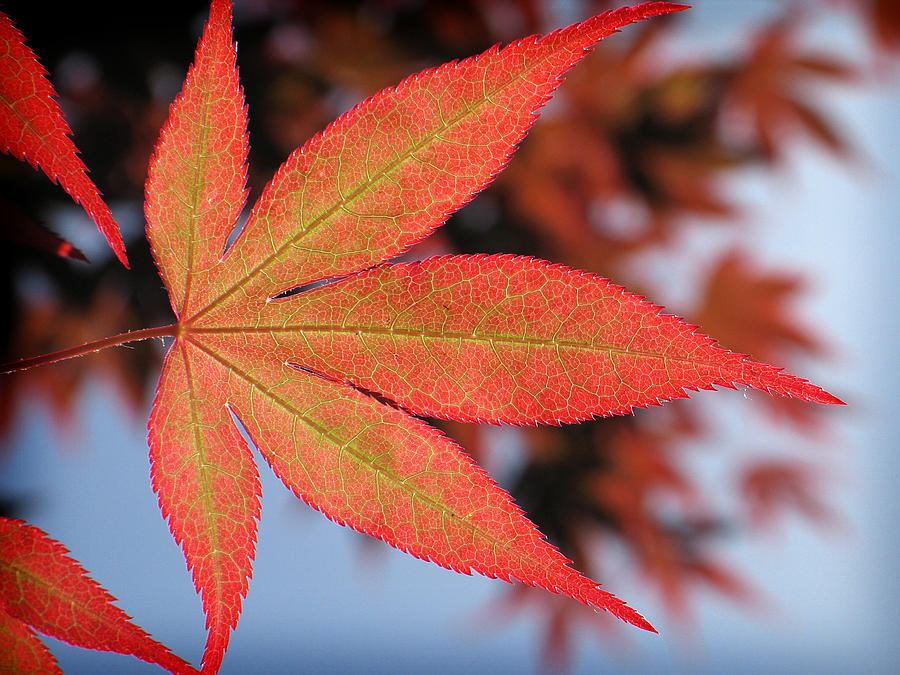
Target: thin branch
[(89, 347)]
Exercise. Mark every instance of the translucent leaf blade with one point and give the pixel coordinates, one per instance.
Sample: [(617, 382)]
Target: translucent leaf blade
[(41, 586), (201, 468), (32, 128), (384, 175), (390, 475), (196, 185), (208, 487), (21, 651), (504, 339), (476, 337)]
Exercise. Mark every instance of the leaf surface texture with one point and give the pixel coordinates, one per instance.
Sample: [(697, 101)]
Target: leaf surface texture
[(201, 468), (503, 339), (321, 380), (42, 587)]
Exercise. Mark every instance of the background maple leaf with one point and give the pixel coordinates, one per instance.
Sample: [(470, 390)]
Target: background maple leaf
[(34, 130), (653, 155)]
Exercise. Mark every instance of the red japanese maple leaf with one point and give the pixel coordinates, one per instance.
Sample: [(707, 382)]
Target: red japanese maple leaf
[(42, 588), (301, 337), (32, 128)]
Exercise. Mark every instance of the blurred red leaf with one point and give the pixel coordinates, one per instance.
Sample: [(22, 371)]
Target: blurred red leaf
[(772, 488), (17, 228), (750, 310), (753, 311), (884, 22), (767, 103)]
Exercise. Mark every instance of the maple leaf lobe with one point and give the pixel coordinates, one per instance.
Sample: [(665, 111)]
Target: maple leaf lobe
[(42, 587), (503, 339), (201, 468), (32, 128), (387, 474), (208, 488), (21, 651), (196, 184), (386, 173)]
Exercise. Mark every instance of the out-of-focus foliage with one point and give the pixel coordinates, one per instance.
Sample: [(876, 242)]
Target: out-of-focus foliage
[(656, 142)]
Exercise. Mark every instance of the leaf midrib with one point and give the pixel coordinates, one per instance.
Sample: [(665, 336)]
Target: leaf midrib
[(203, 468), (194, 206), (364, 185), (433, 335)]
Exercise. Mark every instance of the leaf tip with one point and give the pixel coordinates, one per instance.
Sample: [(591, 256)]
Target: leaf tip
[(829, 399), (642, 623), (672, 7), (121, 255), (608, 602), (68, 250), (649, 9)]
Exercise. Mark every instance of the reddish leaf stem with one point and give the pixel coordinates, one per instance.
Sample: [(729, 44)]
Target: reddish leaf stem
[(88, 347)]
